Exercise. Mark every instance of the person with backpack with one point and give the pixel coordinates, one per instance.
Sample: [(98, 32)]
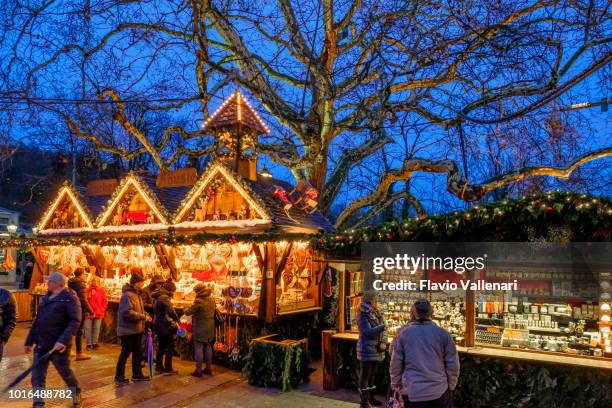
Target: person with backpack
[(96, 297), (202, 313), (424, 364), (165, 324)]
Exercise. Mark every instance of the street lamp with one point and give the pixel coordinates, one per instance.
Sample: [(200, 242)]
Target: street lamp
[(12, 228)]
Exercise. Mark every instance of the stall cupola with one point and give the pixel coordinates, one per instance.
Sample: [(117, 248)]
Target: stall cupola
[(236, 127)]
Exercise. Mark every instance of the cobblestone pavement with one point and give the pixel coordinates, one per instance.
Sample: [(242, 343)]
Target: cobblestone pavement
[(224, 389)]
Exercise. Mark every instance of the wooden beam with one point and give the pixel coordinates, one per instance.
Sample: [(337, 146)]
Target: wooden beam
[(330, 361), (270, 281), (39, 270), (282, 262)]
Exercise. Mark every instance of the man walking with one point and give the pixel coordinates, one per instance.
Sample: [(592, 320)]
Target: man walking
[(425, 363), (58, 319), (8, 317), (131, 318)]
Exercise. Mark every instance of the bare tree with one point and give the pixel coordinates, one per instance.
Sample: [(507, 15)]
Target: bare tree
[(339, 79)]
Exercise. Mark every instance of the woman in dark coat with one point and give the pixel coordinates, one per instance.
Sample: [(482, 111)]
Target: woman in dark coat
[(203, 327), (369, 352), (165, 322)]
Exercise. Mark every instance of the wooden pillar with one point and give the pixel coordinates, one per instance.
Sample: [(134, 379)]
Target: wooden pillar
[(330, 361), (270, 281), (470, 316), (40, 269)]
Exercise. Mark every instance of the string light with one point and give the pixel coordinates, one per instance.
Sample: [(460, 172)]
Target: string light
[(215, 169), (131, 180), (65, 190)]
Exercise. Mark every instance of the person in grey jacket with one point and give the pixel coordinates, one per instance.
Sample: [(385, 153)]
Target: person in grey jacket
[(424, 364), (370, 347), (131, 318), (203, 326)]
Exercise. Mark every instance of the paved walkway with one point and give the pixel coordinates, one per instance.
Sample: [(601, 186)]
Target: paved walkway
[(225, 389)]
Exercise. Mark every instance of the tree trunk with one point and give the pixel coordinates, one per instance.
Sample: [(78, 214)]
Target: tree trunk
[(318, 172)]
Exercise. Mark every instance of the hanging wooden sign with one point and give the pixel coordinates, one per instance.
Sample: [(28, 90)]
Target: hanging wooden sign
[(178, 178), (103, 187)]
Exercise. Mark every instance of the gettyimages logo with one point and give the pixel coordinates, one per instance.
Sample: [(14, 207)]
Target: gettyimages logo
[(412, 264)]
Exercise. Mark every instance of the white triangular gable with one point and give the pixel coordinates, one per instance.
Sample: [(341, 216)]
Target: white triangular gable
[(131, 182), (53, 220), (215, 172)]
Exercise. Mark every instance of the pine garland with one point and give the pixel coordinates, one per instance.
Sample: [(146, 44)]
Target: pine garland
[(589, 218)]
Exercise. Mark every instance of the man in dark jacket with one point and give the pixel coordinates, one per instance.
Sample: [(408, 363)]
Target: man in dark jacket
[(131, 318), (8, 317), (202, 313), (165, 321), (58, 319), (78, 284)]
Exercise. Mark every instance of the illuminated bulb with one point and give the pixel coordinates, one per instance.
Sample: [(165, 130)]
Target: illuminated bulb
[(605, 307), (605, 318)]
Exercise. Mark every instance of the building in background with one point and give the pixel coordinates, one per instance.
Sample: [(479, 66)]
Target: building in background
[(9, 225)]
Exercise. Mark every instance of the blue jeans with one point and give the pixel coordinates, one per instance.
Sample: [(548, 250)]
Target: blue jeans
[(61, 362), (92, 331)]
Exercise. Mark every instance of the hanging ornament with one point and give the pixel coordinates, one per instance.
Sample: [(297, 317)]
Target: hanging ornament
[(280, 194), (327, 292)]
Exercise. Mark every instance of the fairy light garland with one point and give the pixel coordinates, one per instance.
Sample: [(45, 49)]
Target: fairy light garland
[(68, 190), (217, 168), (491, 221), (150, 198)]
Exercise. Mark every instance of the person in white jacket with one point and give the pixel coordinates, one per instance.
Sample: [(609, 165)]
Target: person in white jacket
[(424, 364)]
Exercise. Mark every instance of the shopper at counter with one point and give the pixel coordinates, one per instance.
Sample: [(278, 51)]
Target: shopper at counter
[(8, 317), (78, 284), (371, 347), (131, 318), (203, 327), (165, 324), (96, 297), (424, 364)]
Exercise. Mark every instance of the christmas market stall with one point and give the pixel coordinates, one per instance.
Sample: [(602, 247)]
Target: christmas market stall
[(551, 334), (245, 234)]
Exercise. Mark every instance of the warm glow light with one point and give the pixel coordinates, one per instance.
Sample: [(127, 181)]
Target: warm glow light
[(64, 191), (238, 96), (213, 171), (131, 181)]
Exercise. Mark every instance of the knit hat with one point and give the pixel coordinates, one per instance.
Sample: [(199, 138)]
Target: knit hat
[(135, 278), (169, 286), (202, 288)]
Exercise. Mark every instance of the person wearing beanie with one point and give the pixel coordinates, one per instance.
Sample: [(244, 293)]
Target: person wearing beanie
[(78, 284), (371, 347), (424, 363), (202, 312), (131, 318), (165, 324)]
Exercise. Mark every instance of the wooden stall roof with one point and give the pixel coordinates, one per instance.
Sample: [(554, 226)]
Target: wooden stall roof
[(292, 220), (236, 110)]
